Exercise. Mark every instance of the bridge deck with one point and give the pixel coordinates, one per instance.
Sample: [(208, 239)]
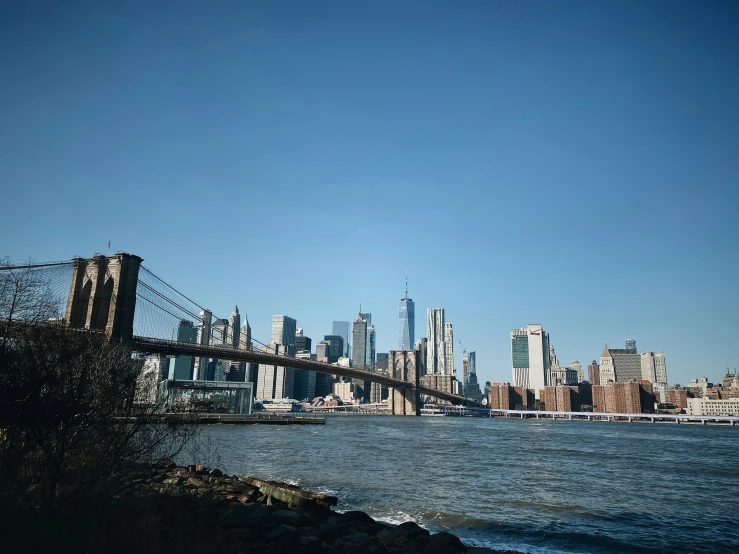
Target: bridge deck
[(161, 346)]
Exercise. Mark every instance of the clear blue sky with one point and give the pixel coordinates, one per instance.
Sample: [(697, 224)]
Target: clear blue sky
[(574, 164)]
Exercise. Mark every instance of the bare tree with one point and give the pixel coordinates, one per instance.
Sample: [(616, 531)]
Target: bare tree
[(74, 407)]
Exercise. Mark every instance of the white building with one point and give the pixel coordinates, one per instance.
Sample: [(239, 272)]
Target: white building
[(607, 368), (283, 330), (530, 356), (709, 407), (575, 365), (345, 391), (435, 348), (654, 370)]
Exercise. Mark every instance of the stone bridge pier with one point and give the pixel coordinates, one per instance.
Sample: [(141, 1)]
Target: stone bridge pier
[(102, 295), (403, 364)]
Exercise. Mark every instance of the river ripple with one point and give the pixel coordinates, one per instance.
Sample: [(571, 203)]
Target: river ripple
[(534, 485)]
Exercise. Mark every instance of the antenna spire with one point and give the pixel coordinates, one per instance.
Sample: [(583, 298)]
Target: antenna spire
[(406, 285)]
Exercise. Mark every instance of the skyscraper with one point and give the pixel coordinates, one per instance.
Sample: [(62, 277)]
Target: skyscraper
[(421, 346), (530, 356), (654, 370), (406, 321), (620, 365), (449, 349), (336, 347), (245, 335), (283, 330), (234, 324), (219, 332), (276, 381), (370, 355), (435, 348), (302, 343), (471, 386), (359, 343), (204, 331), (341, 329), (181, 368)]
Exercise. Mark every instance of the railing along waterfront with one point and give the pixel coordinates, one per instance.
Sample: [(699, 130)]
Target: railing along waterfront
[(588, 416)]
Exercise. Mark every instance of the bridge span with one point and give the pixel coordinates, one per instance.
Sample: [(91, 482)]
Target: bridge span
[(117, 296)]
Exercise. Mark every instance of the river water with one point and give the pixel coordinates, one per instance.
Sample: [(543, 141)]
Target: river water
[(537, 486)]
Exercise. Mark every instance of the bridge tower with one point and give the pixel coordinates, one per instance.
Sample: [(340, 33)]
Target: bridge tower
[(403, 364), (102, 295)]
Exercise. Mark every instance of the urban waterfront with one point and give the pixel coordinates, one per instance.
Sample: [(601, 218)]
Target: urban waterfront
[(534, 486)]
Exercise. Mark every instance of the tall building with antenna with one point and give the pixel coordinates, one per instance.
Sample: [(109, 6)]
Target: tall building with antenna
[(406, 321)]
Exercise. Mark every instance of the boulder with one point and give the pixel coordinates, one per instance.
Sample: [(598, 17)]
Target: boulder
[(444, 543)]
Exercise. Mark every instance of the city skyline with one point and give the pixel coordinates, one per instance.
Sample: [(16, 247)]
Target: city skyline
[(466, 132)]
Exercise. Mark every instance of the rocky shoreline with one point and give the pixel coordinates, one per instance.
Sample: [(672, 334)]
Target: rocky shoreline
[(246, 514)]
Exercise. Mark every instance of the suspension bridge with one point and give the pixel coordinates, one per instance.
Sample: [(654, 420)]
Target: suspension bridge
[(120, 297)]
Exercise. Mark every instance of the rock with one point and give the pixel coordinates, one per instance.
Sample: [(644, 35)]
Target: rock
[(444, 543), (177, 481), (407, 535), (363, 522), (215, 472), (289, 517)]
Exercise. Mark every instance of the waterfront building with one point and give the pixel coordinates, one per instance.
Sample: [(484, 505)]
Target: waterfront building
[(710, 407), (577, 367), (731, 380), (234, 326), (503, 396), (449, 349), (676, 397), (560, 398), (341, 329), (406, 321), (181, 368), (301, 341), (276, 381), (283, 330), (699, 387), (436, 348), (359, 343), (530, 356), (345, 391), (594, 373), (633, 398)]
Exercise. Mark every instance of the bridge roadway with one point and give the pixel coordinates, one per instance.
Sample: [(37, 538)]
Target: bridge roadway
[(160, 346)]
